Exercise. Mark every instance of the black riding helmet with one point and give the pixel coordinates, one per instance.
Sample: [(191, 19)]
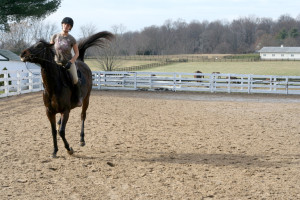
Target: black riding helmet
[(68, 20)]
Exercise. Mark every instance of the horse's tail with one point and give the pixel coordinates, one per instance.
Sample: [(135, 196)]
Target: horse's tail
[(97, 39)]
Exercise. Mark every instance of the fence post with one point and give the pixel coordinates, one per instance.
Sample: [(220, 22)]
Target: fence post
[(18, 82), (275, 84), (30, 80), (228, 83), (249, 83), (211, 85), (135, 80), (150, 81), (287, 85), (174, 82), (6, 82), (99, 80), (242, 82), (272, 83)]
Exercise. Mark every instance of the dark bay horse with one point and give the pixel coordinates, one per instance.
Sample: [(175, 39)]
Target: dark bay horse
[(58, 92), (197, 75)]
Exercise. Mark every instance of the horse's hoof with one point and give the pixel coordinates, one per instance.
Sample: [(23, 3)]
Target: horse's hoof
[(82, 144), (71, 151), (54, 156)]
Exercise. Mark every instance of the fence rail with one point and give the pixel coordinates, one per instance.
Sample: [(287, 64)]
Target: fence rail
[(229, 83), (20, 82)]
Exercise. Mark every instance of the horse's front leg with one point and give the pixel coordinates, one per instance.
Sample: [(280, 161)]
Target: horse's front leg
[(51, 118), (82, 142), (64, 119)]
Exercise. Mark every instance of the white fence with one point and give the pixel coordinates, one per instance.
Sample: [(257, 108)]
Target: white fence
[(187, 82), (20, 82)]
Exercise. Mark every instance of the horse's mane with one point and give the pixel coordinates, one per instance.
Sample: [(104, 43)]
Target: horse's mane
[(48, 45), (94, 40)]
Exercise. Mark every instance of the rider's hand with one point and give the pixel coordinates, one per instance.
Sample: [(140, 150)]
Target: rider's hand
[(68, 65)]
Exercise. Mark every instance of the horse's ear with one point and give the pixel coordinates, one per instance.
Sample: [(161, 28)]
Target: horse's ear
[(48, 44)]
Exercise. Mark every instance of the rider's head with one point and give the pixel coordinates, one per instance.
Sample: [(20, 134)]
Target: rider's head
[(68, 20)]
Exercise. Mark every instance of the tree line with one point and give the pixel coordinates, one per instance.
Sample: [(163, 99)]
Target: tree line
[(20, 22), (243, 35), (240, 36)]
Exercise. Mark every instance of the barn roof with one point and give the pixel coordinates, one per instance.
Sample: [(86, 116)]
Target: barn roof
[(280, 50), (6, 55)]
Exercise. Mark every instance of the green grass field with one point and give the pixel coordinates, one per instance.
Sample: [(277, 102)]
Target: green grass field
[(284, 68)]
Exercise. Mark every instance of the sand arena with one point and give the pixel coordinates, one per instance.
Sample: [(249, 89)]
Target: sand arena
[(155, 145)]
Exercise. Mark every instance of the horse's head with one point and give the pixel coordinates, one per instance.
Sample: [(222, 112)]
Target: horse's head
[(38, 52)]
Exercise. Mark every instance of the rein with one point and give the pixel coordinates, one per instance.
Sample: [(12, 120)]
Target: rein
[(33, 56)]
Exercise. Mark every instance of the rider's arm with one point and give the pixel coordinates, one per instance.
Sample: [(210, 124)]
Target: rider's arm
[(52, 39), (76, 51)]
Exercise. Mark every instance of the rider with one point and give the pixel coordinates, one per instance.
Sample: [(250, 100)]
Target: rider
[(63, 44)]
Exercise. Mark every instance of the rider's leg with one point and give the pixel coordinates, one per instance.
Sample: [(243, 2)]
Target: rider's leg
[(73, 71)]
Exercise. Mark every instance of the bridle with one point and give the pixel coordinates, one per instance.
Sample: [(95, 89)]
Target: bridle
[(34, 56)]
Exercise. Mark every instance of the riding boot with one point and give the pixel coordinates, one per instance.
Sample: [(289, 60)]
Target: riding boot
[(78, 93)]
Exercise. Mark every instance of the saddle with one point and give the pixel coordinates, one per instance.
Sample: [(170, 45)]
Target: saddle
[(67, 78)]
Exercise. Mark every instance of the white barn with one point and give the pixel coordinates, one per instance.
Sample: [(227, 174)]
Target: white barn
[(280, 53), (12, 61)]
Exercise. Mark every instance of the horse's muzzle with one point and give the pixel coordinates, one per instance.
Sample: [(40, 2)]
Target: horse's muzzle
[(25, 55)]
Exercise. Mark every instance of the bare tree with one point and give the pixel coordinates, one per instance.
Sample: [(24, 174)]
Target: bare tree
[(107, 57), (87, 30), (43, 30), (25, 33)]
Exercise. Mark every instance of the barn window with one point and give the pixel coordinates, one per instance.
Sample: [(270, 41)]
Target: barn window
[(273, 55), (282, 55), (292, 55), (264, 55)]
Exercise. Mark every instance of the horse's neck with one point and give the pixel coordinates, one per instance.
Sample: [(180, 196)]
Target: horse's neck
[(51, 78)]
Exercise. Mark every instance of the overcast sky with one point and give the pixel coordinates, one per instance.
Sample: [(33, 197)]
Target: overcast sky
[(135, 15)]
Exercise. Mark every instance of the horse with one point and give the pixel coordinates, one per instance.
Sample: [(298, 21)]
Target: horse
[(198, 76), (59, 94)]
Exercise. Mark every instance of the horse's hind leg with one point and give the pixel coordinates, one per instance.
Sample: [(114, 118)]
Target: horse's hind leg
[(85, 106), (64, 119), (59, 123)]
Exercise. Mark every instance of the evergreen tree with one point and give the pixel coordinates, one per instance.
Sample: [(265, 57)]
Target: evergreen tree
[(283, 34), (294, 33), (16, 10)]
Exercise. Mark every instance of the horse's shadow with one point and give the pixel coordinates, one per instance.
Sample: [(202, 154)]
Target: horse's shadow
[(237, 160), (219, 160)]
